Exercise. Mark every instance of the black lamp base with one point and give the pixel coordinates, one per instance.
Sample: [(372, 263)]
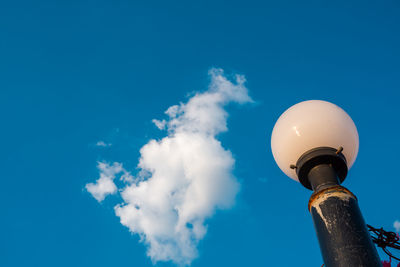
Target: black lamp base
[(321, 167)]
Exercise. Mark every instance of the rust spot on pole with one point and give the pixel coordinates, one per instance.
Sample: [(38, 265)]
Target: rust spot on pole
[(331, 191)]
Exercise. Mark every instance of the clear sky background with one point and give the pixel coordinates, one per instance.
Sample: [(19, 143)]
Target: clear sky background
[(73, 73)]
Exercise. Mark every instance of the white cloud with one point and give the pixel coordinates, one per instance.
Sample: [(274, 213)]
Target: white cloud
[(103, 144), (396, 226), (160, 124), (127, 177), (105, 184), (184, 177)]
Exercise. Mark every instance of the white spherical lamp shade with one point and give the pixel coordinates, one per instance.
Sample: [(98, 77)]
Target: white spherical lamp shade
[(312, 124)]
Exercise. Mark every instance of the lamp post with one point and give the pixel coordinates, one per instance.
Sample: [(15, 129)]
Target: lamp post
[(315, 143)]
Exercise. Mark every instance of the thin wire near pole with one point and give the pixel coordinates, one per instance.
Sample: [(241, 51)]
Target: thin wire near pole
[(385, 240)]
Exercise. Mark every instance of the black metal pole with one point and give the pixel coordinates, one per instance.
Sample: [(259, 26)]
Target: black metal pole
[(342, 234)]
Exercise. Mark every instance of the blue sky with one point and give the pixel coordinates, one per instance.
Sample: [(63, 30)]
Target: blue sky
[(74, 73)]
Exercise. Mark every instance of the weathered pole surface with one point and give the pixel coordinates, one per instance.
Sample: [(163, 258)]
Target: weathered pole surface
[(342, 234)]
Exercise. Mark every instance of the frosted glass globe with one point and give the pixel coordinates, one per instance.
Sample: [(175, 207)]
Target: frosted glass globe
[(311, 124)]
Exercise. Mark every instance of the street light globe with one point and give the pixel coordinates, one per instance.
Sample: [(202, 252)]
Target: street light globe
[(312, 124)]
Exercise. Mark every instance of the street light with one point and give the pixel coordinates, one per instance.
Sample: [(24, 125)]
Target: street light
[(315, 143)]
